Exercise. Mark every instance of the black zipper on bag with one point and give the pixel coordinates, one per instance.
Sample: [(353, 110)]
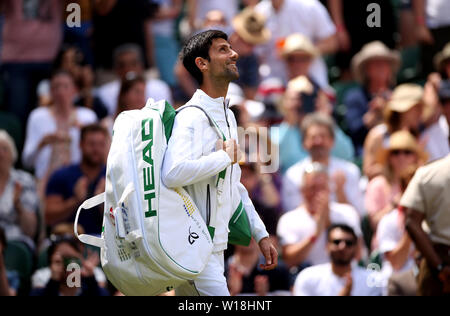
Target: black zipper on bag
[(208, 205)]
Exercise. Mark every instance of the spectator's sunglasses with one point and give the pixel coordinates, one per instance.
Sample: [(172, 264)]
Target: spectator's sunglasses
[(348, 243)]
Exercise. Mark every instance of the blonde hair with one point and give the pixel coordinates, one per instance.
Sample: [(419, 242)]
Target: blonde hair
[(4, 136)]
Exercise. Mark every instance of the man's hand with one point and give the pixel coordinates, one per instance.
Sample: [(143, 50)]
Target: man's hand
[(232, 149), (270, 253), (90, 264), (347, 290), (81, 189)]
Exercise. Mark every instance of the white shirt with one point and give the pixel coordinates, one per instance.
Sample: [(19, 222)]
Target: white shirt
[(40, 124), (437, 13), (390, 231), (308, 17), (321, 281), (298, 225), (155, 89), (292, 180), (436, 137), (191, 161)]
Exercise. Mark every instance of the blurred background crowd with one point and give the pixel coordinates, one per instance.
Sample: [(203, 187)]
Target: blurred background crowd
[(353, 101)]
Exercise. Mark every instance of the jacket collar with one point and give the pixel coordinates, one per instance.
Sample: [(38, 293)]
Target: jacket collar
[(208, 102)]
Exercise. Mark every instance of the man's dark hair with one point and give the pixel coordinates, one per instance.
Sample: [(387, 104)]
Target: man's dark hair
[(198, 46), (92, 128), (344, 228)]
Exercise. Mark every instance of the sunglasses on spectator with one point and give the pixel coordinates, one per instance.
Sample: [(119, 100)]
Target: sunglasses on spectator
[(405, 152), (348, 243)]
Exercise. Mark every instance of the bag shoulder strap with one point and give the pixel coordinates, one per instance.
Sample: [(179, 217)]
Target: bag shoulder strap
[(212, 122)]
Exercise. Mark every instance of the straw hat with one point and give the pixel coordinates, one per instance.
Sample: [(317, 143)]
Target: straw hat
[(405, 97), (250, 26), (442, 57), (374, 50), (402, 140), (299, 43)]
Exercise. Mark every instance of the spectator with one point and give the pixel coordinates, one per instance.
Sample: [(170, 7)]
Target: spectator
[(53, 132), (296, 103), (442, 62), (286, 17), (264, 191), (375, 67), (384, 191), (394, 243), (128, 63), (298, 54), (166, 46), (198, 9), (433, 21), (31, 37), (72, 60), (70, 186), (9, 281), (403, 112), (118, 22), (19, 204), (131, 97), (62, 232), (245, 276), (63, 253), (319, 139), (340, 277), (353, 31), (302, 232), (427, 198)]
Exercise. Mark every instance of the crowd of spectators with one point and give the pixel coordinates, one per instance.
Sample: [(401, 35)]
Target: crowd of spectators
[(349, 98)]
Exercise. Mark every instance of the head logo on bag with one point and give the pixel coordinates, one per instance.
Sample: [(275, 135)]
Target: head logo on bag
[(149, 172)]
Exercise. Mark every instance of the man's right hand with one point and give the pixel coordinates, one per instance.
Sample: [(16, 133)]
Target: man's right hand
[(232, 149)]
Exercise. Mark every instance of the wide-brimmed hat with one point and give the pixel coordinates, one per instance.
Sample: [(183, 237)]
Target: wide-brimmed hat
[(405, 97), (298, 43), (374, 50), (442, 57), (402, 140), (251, 27)]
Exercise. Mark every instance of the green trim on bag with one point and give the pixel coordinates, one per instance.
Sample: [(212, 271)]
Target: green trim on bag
[(239, 226), (168, 120), (212, 231)]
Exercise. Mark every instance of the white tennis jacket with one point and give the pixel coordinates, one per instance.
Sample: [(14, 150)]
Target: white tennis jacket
[(192, 162)]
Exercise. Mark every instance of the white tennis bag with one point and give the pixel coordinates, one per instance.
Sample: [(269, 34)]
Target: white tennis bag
[(153, 238)]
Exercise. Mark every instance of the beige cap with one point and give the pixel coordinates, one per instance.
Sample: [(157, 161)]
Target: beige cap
[(251, 27), (374, 50), (402, 140), (405, 97), (299, 43)]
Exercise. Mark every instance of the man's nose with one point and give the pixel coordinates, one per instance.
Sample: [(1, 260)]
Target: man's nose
[(234, 55)]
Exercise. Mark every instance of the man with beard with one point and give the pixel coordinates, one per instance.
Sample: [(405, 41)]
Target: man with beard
[(340, 277), (302, 232), (195, 157), (318, 140), (71, 186)]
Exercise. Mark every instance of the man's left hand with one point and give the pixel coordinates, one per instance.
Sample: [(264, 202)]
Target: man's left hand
[(270, 253)]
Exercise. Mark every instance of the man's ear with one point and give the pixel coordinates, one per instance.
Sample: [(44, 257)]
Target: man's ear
[(202, 63)]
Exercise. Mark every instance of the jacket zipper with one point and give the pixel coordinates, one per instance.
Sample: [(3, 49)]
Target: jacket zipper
[(229, 133), (208, 206)]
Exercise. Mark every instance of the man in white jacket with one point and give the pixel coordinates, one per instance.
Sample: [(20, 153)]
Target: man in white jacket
[(195, 157)]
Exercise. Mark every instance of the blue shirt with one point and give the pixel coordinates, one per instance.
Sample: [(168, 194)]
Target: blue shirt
[(62, 183)]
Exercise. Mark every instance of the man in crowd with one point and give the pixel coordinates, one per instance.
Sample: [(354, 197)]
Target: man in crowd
[(340, 277), (71, 186)]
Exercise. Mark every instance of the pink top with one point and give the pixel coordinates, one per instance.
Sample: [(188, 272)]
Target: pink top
[(35, 38), (379, 194)]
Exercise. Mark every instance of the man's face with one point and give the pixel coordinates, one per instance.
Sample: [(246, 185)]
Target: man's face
[(222, 64), (63, 89), (298, 64), (128, 62), (6, 160), (313, 184), (318, 142), (379, 69), (342, 247), (94, 148)]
